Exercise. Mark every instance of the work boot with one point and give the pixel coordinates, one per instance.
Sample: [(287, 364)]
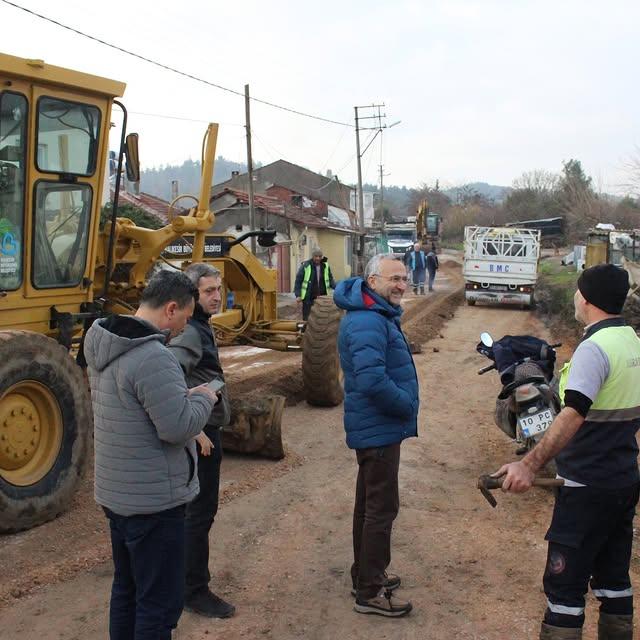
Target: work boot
[(415, 291), (391, 582), (384, 604), (421, 291), (547, 632), (209, 605), (615, 627)]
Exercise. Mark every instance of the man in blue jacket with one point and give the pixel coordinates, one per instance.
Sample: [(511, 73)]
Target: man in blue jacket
[(381, 410), (417, 262)]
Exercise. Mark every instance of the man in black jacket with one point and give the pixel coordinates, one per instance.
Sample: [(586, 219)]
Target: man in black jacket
[(197, 353)]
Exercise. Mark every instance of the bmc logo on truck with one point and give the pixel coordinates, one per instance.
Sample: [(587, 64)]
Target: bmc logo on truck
[(499, 268)]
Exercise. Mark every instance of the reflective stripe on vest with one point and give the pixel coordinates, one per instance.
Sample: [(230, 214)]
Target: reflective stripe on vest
[(618, 398), (307, 279)]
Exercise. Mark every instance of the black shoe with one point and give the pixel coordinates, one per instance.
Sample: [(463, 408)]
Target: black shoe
[(209, 605), (391, 582)]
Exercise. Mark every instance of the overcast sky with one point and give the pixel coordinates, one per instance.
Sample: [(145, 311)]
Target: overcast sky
[(485, 90)]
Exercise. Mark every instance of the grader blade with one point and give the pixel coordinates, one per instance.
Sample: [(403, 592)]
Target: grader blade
[(255, 427)]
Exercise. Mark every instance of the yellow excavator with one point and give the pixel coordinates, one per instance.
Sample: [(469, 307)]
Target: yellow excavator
[(428, 226), (59, 271)]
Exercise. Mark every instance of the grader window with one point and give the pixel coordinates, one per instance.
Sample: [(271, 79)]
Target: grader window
[(62, 215), (67, 137), (13, 140)]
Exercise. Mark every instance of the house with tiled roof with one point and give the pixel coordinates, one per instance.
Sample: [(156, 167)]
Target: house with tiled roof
[(321, 195), (155, 207), (298, 232)]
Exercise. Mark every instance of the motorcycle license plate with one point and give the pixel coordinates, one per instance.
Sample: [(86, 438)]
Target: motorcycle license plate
[(536, 423)]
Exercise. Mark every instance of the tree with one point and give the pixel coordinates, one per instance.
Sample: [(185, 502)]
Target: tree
[(535, 194), (574, 179), (579, 202), (139, 216), (632, 168), (438, 201), (626, 214), (538, 181)]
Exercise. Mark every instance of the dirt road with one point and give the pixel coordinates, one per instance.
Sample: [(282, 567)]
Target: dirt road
[(282, 549)]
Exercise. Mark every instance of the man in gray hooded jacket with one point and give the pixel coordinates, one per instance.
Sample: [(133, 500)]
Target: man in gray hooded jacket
[(145, 422)]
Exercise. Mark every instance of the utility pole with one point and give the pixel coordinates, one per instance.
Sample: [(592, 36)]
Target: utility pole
[(359, 154), (359, 195), (381, 198), (252, 210)]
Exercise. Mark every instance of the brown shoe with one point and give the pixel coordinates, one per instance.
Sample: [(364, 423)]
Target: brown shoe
[(384, 604), (615, 627), (549, 632), (391, 582)]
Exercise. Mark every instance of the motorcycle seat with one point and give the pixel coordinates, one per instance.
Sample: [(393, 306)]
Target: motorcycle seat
[(508, 389)]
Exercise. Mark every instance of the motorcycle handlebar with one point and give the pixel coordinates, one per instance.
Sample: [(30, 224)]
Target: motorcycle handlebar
[(487, 368)]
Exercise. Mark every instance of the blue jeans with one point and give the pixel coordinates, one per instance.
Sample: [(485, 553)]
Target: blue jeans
[(147, 594)]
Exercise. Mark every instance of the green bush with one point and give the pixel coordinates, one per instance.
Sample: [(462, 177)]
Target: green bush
[(139, 216), (555, 289)]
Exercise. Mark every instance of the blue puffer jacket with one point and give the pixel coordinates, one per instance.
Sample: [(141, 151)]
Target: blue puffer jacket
[(380, 381)]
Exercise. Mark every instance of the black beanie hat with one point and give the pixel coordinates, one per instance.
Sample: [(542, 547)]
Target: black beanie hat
[(605, 286)]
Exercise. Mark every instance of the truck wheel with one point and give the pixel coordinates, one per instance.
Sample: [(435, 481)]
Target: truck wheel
[(321, 372), (471, 303), (45, 426)]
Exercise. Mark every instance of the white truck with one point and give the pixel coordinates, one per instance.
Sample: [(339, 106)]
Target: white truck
[(501, 265), (401, 236)]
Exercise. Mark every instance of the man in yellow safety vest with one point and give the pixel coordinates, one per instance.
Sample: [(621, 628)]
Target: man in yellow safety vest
[(314, 278), (593, 440)]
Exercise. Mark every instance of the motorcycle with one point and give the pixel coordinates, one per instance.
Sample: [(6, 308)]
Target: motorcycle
[(528, 402)]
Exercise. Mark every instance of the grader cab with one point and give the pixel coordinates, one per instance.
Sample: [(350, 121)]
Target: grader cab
[(59, 272)]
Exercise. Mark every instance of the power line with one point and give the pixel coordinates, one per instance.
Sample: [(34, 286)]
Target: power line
[(334, 149), (173, 69), (168, 117)]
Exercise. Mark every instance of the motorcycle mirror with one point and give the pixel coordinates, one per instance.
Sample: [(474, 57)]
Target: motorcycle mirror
[(486, 339)]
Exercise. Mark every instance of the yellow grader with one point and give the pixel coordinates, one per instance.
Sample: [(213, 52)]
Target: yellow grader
[(59, 272)]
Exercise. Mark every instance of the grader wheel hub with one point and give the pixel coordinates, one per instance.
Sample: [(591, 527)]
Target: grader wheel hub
[(30, 433)]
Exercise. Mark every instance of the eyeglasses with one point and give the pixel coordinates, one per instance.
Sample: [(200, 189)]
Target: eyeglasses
[(394, 279)]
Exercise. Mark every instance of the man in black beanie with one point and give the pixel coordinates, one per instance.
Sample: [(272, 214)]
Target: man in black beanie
[(593, 440), (605, 287)]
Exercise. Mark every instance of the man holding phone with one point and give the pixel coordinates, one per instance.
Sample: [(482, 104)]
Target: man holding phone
[(197, 353)]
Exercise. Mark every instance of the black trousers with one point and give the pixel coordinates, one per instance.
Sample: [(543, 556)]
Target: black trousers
[(147, 594), (199, 518), (376, 507), (306, 307), (589, 543)]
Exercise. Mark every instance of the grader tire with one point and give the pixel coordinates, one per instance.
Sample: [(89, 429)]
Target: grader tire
[(45, 429), (321, 372)]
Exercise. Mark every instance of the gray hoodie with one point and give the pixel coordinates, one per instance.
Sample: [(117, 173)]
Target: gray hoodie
[(144, 420)]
